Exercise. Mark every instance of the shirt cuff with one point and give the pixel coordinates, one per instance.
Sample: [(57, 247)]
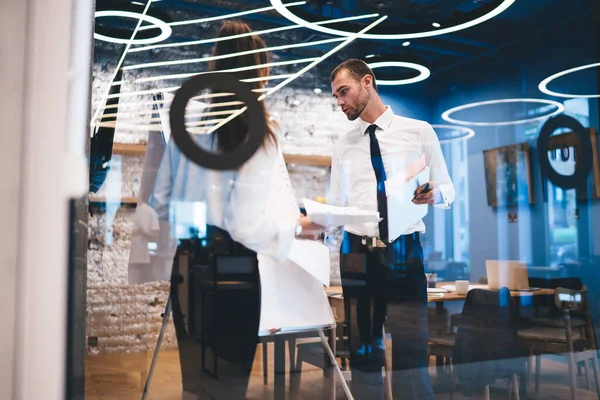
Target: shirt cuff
[(442, 201)]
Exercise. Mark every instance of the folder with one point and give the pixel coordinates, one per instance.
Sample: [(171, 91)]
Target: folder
[(400, 191)]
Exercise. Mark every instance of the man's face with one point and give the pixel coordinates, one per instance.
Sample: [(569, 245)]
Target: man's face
[(352, 96)]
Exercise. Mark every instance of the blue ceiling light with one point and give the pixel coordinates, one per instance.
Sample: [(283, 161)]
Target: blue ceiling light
[(446, 114), (424, 72), (543, 86), (457, 133)]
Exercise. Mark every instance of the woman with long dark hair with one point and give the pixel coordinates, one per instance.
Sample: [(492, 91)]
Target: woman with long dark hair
[(238, 227)]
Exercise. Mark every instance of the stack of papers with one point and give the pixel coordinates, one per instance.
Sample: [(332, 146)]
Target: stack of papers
[(333, 216)]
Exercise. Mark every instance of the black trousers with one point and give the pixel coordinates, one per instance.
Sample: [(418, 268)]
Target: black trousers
[(386, 284), (220, 305)]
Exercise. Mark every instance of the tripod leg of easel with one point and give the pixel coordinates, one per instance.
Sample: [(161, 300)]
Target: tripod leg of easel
[(163, 327), (388, 368), (336, 366)]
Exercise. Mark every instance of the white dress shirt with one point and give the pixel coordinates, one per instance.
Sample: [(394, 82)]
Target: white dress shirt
[(402, 141)]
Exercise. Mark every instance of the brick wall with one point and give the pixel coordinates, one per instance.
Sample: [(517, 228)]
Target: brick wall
[(126, 318)]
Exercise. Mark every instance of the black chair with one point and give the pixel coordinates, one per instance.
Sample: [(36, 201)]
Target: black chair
[(560, 338), (546, 313), (228, 301), (486, 346)]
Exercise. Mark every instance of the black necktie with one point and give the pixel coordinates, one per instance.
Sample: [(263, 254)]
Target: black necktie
[(377, 162)]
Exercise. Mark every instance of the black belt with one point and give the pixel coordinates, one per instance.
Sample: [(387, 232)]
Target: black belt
[(372, 241), (376, 242)]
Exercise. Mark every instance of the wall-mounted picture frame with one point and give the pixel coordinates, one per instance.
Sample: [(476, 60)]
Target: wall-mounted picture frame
[(508, 177)]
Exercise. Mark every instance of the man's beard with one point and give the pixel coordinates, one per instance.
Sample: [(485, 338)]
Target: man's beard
[(362, 103)]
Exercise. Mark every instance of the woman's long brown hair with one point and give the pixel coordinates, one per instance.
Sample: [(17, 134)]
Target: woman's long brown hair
[(236, 131)]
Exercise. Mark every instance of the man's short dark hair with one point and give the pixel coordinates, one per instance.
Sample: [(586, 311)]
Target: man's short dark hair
[(357, 70)]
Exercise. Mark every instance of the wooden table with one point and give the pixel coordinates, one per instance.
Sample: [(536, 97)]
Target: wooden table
[(336, 292), (453, 296)]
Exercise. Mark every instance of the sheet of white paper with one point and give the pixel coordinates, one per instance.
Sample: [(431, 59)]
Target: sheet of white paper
[(402, 212), (313, 257), (333, 216), (291, 299)]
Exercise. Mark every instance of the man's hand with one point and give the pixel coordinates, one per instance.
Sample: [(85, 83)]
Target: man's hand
[(310, 230), (427, 194)]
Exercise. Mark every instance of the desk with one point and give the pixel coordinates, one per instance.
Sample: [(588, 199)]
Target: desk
[(336, 292), (452, 296)]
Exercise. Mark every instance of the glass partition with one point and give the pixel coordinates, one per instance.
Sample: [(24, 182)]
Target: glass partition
[(269, 220)]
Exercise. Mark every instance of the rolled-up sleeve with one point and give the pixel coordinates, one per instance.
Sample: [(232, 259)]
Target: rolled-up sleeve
[(163, 187), (246, 217), (434, 158)]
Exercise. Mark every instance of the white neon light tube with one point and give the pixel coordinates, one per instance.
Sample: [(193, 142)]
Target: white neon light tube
[(231, 55), (267, 78), (543, 86), (189, 107), (241, 35), (100, 108), (302, 71), (239, 69), (193, 115), (323, 57), (227, 16), (280, 7), (171, 89)]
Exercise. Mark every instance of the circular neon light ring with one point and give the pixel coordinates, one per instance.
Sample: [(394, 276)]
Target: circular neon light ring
[(543, 86), (424, 72), (446, 115), (285, 12), (469, 133), (165, 30)]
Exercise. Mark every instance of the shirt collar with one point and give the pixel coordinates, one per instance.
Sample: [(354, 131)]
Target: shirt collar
[(383, 122)]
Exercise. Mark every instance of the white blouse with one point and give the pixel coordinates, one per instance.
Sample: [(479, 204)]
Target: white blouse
[(235, 201)]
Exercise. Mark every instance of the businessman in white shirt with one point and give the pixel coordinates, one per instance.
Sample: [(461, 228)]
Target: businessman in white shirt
[(382, 273)]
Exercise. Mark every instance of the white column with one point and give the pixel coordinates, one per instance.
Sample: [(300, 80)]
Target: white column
[(50, 167), (12, 31)]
